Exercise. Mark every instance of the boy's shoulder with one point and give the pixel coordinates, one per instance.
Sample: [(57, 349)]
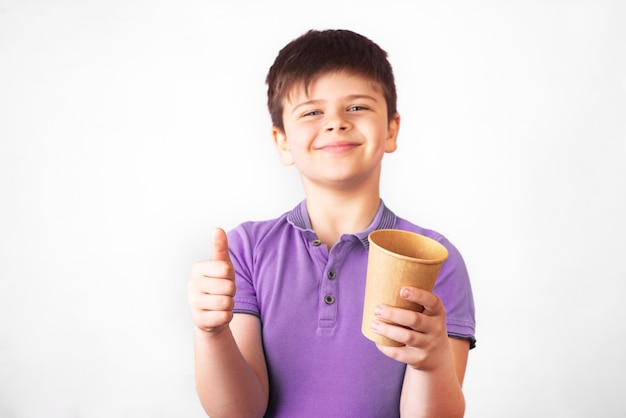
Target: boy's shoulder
[(405, 225)]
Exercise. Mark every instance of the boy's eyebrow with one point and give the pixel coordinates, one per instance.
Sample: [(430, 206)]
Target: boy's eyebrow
[(348, 98), (361, 96)]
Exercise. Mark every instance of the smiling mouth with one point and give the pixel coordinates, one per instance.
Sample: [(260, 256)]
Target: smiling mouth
[(338, 147)]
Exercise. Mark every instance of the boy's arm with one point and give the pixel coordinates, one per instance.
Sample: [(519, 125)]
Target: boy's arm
[(435, 362), (437, 392), (231, 375), (230, 368)]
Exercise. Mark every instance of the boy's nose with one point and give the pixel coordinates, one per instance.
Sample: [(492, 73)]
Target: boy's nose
[(336, 123), (339, 128)]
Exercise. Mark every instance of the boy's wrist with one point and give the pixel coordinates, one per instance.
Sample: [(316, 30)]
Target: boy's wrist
[(212, 334)]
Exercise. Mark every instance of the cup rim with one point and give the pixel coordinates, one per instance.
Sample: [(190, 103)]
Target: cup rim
[(372, 241)]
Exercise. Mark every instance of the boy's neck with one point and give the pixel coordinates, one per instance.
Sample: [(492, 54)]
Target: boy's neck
[(334, 214)]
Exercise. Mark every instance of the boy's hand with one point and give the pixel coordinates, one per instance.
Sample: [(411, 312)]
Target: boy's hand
[(211, 288), (424, 334)]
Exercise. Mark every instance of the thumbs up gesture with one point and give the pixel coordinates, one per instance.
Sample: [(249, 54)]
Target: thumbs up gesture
[(211, 288)]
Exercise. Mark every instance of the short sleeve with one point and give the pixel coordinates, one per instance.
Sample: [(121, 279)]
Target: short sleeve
[(454, 289)]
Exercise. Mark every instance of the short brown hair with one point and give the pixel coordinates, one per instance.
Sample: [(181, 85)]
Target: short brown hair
[(319, 52)]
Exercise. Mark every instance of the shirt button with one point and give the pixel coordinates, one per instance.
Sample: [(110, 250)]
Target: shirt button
[(329, 299), (316, 243), (331, 274)]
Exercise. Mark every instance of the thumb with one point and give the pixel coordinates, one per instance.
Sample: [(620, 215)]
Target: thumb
[(220, 245)]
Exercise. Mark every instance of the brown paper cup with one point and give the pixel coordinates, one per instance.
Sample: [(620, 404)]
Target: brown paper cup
[(397, 259)]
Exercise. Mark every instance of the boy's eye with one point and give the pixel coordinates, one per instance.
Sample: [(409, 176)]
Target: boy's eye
[(312, 113), (356, 108)]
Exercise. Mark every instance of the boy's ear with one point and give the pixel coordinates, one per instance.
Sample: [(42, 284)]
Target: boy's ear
[(280, 140), (392, 133)]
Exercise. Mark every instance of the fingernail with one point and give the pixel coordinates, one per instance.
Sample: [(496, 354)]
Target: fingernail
[(374, 326), (405, 293), (378, 311)]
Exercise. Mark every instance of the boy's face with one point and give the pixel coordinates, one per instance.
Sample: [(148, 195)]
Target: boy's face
[(338, 131)]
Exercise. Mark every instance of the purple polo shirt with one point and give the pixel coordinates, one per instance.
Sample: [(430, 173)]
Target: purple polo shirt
[(310, 302)]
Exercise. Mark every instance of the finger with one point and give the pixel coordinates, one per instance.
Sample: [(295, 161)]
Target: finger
[(210, 320), (212, 268), (431, 303), (402, 319), (402, 335), (210, 302), (216, 286), (220, 245)]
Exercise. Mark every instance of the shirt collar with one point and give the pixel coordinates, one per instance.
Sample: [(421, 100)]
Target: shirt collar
[(384, 219)]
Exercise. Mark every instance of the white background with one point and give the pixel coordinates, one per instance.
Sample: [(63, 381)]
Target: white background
[(129, 129)]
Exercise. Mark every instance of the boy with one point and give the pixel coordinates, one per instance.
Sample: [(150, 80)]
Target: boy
[(277, 311)]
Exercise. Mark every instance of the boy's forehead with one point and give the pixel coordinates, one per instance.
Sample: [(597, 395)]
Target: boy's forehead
[(300, 87)]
